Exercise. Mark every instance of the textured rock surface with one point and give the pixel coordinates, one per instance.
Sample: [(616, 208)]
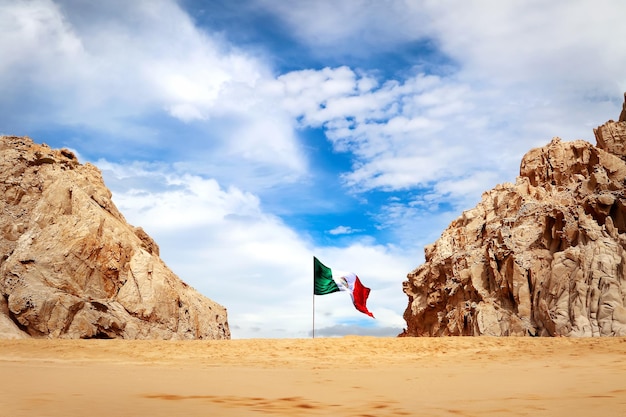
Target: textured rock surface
[(70, 265), (544, 256)]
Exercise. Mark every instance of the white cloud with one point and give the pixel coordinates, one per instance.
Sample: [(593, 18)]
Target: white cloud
[(400, 134), (267, 137), (186, 112), (520, 41), (344, 230), (351, 27), (470, 186), (304, 92), (524, 72), (566, 42), (221, 242), (115, 66), (36, 35)]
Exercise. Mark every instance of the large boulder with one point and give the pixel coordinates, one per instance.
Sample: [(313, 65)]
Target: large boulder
[(72, 267), (543, 257)]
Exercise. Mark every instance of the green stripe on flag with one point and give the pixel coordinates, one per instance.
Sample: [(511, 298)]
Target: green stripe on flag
[(323, 282)]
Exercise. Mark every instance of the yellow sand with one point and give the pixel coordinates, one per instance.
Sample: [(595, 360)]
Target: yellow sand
[(351, 376)]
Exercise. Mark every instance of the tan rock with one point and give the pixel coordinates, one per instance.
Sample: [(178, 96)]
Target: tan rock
[(610, 135), (72, 267), (544, 256)]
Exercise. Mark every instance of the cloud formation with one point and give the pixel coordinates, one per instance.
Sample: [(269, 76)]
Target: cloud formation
[(358, 144)]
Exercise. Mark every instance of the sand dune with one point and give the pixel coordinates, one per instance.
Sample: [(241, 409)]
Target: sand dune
[(351, 376)]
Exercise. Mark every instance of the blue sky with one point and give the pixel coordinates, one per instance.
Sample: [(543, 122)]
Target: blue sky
[(248, 136)]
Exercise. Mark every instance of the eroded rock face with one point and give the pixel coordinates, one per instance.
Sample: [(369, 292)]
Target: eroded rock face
[(544, 256), (70, 265)]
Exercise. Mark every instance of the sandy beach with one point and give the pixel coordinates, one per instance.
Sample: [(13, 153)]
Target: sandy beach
[(351, 376)]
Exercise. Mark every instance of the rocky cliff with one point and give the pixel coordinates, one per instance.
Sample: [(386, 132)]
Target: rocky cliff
[(542, 257), (72, 267)]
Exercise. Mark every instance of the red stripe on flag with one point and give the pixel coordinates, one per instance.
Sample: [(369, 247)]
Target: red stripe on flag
[(359, 297)]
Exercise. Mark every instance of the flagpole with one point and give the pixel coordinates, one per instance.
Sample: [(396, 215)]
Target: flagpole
[(313, 297), (313, 315)]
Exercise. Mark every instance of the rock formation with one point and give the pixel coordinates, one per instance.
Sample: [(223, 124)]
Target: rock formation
[(542, 257), (70, 265)]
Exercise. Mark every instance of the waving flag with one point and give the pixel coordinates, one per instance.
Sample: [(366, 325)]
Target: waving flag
[(324, 282)]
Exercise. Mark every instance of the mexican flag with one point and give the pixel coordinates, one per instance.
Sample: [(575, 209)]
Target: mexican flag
[(324, 282)]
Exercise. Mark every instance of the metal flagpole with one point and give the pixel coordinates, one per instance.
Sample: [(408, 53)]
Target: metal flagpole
[(314, 315), (314, 297)]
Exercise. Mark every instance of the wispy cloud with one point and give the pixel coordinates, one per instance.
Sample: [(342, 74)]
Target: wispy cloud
[(344, 230), (123, 73), (352, 27)]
